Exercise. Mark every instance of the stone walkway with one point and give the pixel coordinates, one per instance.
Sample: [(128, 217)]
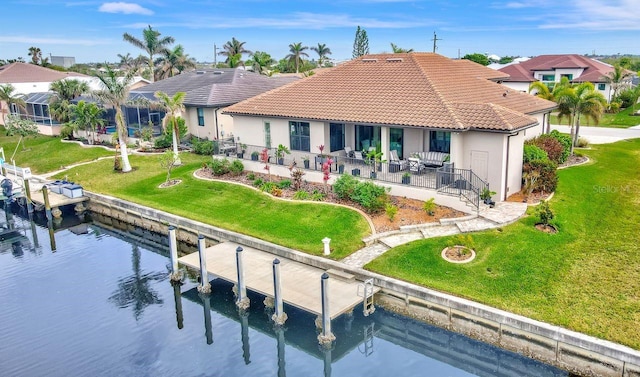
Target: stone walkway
[(502, 214)]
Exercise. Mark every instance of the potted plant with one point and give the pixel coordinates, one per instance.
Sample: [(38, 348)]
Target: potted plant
[(254, 155), (374, 157), (305, 160), (243, 148), (406, 178), (280, 152), (355, 172), (341, 168), (486, 195)]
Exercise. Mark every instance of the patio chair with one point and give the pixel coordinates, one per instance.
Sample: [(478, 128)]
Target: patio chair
[(358, 158), (395, 163), (415, 165), (348, 151)]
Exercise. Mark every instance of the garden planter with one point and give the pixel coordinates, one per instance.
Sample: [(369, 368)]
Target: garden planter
[(254, 157), (240, 155), (341, 169), (355, 172), (306, 164), (373, 175), (406, 180), (281, 161)]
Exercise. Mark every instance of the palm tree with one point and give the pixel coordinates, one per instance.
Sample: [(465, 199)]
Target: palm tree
[(322, 50), (126, 61), (87, 116), (399, 50), (296, 52), (36, 55), (173, 107), (174, 61), (134, 290), (9, 96), (151, 43), (115, 93), (578, 100), (65, 91), (231, 49), (617, 78), (260, 62)]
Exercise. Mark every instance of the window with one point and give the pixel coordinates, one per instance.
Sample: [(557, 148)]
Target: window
[(367, 137), (299, 136), (267, 135), (395, 140), (200, 117), (548, 77), (336, 137), (602, 86), (440, 141), (568, 76)]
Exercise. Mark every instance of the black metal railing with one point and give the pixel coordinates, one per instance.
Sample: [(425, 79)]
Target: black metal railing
[(446, 179)]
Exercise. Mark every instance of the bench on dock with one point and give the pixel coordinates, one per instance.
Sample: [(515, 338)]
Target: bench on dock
[(24, 173)]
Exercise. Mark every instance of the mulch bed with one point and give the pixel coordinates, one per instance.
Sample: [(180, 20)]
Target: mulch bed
[(410, 211)]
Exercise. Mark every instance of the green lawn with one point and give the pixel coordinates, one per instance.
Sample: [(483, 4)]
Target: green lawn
[(585, 278), (301, 226), (44, 153), (623, 119)]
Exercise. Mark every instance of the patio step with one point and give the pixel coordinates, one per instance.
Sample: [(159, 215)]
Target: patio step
[(340, 274)]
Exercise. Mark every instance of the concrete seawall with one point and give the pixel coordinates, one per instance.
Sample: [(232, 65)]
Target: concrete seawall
[(575, 352)]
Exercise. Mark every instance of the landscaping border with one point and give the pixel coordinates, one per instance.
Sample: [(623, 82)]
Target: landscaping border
[(576, 352)]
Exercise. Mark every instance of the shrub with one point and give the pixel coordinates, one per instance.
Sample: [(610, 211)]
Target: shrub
[(627, 98), (582, 142), (220, 166), (565, 140), (544, 213), (284, 184), (614, 107), (258, 182), (429, 207), (296, 175), (465, 240), (532, 152), (551, 145), (548, 177), (370, 196), (163, 142), (203, 147), (268, 187), (391, 211), (301, 195), (345, 186), (236, 167), (276, 191), (251, 176), (317, 195)]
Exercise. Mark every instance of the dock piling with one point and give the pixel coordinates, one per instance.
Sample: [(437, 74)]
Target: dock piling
[(176, 274), (206, 304), (27, 193), (279, 316), (47, 204), (177, 298), (326, 337), (204, 286), (242, 301)]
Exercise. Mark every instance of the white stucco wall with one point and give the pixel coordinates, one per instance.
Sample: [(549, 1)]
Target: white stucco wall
[(208, 131), (31, 87), (493, 144), (517, 86), (514, 175)]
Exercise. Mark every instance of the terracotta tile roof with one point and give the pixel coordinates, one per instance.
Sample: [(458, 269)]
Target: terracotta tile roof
[(594, 70), (415, 89), (25, 72), (214, 87)]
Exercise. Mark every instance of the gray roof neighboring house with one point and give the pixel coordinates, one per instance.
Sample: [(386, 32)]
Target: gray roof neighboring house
[(214, 87)]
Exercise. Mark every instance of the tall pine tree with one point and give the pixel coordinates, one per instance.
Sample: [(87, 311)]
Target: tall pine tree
[(361, 43)]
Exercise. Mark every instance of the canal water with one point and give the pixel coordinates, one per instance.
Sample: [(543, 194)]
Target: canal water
[(101, 304)]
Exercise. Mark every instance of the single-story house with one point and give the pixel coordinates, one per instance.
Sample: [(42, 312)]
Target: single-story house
[(208, 92), (411, 103), (551, 69)]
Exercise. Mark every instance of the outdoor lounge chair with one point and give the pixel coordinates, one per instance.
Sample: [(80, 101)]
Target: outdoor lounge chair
[(358, 158), (348, 151), (415, 165), (395, 163)]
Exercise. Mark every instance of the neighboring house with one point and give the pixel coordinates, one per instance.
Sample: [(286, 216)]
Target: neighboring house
[(416, 102), (551, 68), (33, 81), (208, 91)]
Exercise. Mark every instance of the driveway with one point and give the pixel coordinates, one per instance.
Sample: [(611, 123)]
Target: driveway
[(602, 135)]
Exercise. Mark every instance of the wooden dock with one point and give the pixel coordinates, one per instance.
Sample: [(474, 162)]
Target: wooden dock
[(55, 200), (300, 283)]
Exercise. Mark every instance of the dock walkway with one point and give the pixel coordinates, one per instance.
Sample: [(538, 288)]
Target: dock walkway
[(300, 283)]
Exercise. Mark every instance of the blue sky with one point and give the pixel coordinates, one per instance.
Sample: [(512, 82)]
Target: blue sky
[(92, 31)]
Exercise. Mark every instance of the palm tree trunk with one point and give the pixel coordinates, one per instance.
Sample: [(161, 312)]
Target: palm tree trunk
[(572, 135), (176, 156), (122, 137)]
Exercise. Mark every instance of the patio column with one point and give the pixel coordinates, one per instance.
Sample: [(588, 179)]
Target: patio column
[(384, 142), (456, 154)]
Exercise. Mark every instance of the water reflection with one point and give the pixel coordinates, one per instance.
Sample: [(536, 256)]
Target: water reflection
[(134, 290)]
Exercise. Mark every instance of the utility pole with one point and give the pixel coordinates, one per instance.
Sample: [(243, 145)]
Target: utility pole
[(215, 54), (435, 39)]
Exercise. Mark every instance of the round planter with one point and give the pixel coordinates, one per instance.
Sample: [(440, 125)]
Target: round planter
[(472, 254)]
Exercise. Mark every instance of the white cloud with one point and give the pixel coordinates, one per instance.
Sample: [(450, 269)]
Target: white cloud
[(126, 8), (592, 15)]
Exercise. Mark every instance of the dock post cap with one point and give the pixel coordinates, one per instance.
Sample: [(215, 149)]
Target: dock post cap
[(325, 276), (171, 227), (239, 249), (200, 236), (276, 261)]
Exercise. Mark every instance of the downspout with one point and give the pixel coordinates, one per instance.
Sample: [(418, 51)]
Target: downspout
[(215, 118), (506, 172)]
